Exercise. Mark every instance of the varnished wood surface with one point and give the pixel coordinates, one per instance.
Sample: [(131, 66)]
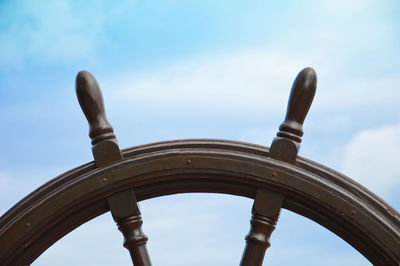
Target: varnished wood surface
[(126, 214), (286, 145), (265, 213), (123, 205), (91, 101), (105, 147), (274, 177), (216, 166)]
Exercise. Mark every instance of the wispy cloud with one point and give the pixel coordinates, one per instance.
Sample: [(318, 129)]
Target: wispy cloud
[(246, 60), (47, 32), (201, 229), (242, 81), (253, 81), (16, 185), (372, 158)]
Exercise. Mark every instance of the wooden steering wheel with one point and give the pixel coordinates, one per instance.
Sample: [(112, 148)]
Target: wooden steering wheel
[(274, 177)]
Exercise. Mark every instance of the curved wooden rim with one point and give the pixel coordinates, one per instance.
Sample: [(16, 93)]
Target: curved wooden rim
[(314, 191)]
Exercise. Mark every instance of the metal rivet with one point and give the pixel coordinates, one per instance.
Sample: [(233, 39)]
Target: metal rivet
[(105, 180), (188, 162), (274, 174), (353, 212), (27, 224)]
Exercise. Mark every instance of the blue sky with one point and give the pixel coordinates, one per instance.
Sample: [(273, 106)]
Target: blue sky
[(209, 69)]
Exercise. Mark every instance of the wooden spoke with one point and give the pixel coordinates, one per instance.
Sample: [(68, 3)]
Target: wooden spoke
[(285, 147), (126, 214), (266, 208), (274, 178), (123, 205)]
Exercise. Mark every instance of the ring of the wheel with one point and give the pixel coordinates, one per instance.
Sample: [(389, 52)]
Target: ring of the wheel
[(311, 190)]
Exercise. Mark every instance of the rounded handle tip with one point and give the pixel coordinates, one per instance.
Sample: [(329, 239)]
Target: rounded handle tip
[(307, 80), (301, 97), (91, 102), (85, 81)]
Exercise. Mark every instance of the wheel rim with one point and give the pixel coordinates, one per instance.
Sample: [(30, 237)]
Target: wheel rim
[(311, 190)]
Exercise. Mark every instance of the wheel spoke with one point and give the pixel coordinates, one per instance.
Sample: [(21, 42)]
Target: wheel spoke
[(265, 213), (126, 214)]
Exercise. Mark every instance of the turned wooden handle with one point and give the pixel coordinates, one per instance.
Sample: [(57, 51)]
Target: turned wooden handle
[(301, 97), (286, 145), (91, 102)]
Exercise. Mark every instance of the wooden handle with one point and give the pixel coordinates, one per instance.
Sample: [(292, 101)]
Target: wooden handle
[(301, 97), (91, 102), (287, 143)]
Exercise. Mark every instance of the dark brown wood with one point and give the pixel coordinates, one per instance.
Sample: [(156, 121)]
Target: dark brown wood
[(334, 201), (126, 214), (123, 205), (286, 145), (265, 213), (217, 166), (105, 146)]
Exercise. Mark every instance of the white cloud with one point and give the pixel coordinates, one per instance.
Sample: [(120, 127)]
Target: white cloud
[(13, 189), (201, 229), (17, 183), (97, 242), (252, 81), (259, 79), (241, 81), (312, 254), (46, 32), (188, 229), (260, 136), (372, 159)]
